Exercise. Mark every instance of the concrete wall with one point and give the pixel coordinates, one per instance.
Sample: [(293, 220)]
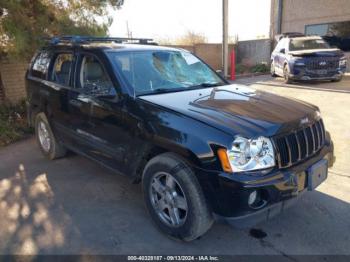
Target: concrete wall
[(250, 52), (210, 53), (254, 52), (12, 77), (2, 93)]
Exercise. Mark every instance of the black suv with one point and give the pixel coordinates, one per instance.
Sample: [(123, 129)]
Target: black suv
[(203, 148)]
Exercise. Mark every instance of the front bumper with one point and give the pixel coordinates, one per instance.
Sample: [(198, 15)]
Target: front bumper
[(301, 73), (228, 194), (261, 215)]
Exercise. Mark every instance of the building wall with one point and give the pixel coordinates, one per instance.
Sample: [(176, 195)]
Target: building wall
[(12, 76), (298, 13)]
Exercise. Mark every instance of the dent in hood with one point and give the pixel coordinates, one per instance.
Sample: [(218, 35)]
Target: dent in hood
[(237, 109)]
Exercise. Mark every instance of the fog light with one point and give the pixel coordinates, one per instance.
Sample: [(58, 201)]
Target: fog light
[(252, 198)]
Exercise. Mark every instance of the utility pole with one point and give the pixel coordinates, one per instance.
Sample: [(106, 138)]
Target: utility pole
[(128, 30), (225, 36)]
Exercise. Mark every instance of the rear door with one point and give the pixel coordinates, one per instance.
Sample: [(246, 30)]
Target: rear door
[(60, 82), (51, 78)]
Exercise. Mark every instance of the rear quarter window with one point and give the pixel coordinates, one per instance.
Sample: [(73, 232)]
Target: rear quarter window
[(41, 65)]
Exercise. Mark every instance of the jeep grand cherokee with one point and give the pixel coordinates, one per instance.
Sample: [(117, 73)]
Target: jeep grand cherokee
[(201, 147)]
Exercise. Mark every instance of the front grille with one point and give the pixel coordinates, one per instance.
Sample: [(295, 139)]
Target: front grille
[(297, 146), (322, 63)]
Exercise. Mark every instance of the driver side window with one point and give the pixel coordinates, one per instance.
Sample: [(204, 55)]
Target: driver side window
[(93, 79)]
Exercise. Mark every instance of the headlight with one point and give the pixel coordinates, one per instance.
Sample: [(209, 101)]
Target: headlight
[(342, 61), (318, 115), (299, 63), (251, 154)]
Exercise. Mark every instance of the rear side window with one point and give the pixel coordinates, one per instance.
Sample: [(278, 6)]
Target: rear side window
[(41, 65), (62, 68)]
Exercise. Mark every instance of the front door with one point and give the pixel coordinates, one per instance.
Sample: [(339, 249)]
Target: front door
[(105, 133)]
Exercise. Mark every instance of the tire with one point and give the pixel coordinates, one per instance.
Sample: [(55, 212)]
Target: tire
[(286, 75), (46, 139), (272, 69), (337, 80), (168, 176)]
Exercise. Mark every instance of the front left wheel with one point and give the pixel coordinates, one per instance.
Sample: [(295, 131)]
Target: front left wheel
[(286, 74), (337, 79), (174, 198)]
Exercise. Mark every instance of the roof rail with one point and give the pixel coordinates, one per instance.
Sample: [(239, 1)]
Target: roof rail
[(288, 34), (78, 40)]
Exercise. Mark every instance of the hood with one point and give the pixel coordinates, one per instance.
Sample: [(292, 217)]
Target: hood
[(237, 109), (330, 52)]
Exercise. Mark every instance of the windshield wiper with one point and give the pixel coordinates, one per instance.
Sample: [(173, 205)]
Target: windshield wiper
[(178, 89), (162, 90), (208, 84)]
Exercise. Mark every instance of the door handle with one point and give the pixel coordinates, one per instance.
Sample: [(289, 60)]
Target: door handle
[(75, 103)]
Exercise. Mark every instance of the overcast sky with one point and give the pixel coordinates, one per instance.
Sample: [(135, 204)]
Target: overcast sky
[(162, 19)]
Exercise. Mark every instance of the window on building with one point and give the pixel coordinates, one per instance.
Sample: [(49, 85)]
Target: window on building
[(41, 65), (336, 34)]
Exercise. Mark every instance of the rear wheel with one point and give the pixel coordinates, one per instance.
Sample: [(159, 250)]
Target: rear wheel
[(46, 140), (286, 74), (174, 198)]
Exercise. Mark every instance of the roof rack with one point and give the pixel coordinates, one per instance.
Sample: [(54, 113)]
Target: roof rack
[(78, 40), (288, 34)]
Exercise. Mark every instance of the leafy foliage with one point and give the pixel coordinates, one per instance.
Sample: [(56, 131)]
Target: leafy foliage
[(23, 23), (13, 123), (191, 38), (241, 68), (260, 68)]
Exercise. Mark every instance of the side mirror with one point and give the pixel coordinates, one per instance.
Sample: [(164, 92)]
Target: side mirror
[(219, 72), (283, 51), (107, 93)]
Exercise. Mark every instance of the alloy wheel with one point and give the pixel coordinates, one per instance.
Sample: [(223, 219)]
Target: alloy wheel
[(168, 199), (44, 136)]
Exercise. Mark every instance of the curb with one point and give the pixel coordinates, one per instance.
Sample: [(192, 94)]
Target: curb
[(239, 76)]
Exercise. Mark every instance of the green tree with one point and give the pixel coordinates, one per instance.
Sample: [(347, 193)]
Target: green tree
[(23, 23)]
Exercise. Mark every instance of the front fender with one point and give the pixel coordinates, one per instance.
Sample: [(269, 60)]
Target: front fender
[(184, 135)]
